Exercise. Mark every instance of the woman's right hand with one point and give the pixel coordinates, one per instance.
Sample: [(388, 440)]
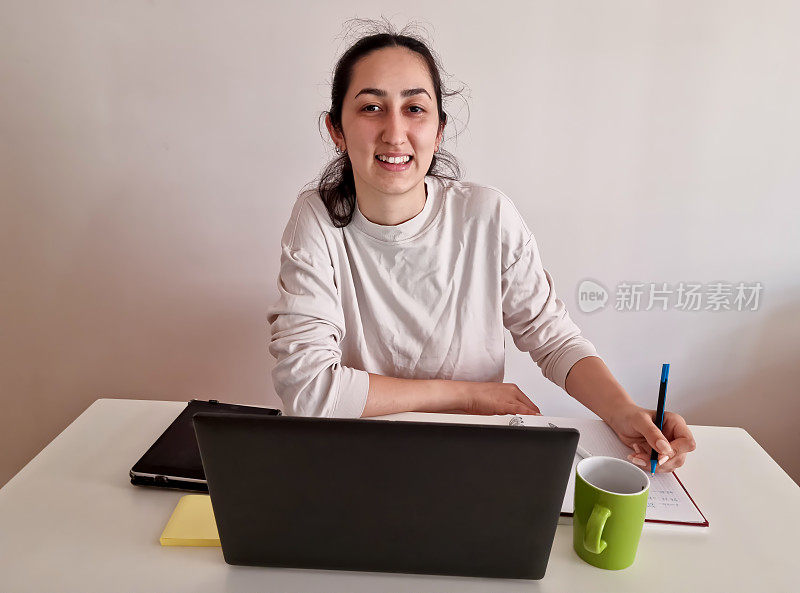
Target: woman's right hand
[(488, 398)]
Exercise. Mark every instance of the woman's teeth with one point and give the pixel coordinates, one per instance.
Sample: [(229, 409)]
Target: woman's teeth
[(394, 160)]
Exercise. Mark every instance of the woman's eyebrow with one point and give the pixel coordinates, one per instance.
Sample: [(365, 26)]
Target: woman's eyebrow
[(382, 93)]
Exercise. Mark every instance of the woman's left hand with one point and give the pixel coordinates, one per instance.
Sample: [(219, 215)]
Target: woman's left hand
[(634, 427)]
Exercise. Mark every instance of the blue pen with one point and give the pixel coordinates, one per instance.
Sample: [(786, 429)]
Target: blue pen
[(659, 419)]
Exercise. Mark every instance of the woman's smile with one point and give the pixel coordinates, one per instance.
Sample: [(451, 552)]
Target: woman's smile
[(395, 166)]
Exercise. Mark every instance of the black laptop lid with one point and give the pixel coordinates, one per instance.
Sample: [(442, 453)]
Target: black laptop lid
[(379, 495)]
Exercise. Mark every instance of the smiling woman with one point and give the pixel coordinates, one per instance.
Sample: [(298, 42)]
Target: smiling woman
[(397, 280), (386, 103)]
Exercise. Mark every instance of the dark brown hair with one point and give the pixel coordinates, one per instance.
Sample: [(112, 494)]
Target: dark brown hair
[(336, 185)]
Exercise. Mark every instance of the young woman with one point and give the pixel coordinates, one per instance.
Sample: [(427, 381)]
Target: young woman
[(397, 281)]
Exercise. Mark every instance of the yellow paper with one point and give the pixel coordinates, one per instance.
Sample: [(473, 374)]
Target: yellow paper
[(192, 523)]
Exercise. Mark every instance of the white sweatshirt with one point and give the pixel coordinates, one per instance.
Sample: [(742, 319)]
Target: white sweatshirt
[(425, 299)]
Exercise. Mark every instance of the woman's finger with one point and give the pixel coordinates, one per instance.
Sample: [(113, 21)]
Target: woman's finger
[(678, 445), (527, 410), (668, 465), (535, 409), (642, 448), (682, 445), (636, 460), (532, 407), (673, 464), (654, 437), (676, 429), (524, 409), (639, 447)]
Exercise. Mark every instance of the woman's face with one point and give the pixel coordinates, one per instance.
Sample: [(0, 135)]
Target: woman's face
[(390, 108)]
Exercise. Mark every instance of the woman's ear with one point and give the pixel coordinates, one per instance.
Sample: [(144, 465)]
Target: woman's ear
[(439, 138), (337, 138)]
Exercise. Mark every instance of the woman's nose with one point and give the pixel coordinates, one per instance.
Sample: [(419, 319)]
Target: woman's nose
[(394, 131)]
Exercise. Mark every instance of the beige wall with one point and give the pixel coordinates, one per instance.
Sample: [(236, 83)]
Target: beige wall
[(150, 154)]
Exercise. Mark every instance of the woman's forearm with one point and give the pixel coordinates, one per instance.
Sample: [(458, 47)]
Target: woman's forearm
[(590, 382), (390, 395)]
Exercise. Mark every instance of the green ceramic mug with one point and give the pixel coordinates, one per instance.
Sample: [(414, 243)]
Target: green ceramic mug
[(610, 504)]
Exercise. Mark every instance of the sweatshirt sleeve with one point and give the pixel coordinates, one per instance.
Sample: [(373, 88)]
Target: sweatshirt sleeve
[(535, 316), (307, 326)]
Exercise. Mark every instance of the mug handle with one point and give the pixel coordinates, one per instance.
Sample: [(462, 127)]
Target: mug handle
[(594, 529)]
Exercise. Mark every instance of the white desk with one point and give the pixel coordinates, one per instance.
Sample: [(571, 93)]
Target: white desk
[(71, 521)]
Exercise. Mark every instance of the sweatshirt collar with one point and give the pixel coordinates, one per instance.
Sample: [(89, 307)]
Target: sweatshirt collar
[(408, 229)]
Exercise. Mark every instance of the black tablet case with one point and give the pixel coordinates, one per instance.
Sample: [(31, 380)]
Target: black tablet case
[(174, 459)]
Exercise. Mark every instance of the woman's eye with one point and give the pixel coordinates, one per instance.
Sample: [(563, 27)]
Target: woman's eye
[(368, 110)]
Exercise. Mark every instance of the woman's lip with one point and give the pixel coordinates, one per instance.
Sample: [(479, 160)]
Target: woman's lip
[(393, 166)]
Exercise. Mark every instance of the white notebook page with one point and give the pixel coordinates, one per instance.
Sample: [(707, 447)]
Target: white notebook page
[(667, 500)]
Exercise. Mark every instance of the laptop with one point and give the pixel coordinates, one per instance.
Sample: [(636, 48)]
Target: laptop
[(173, 460), (383, 495)]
